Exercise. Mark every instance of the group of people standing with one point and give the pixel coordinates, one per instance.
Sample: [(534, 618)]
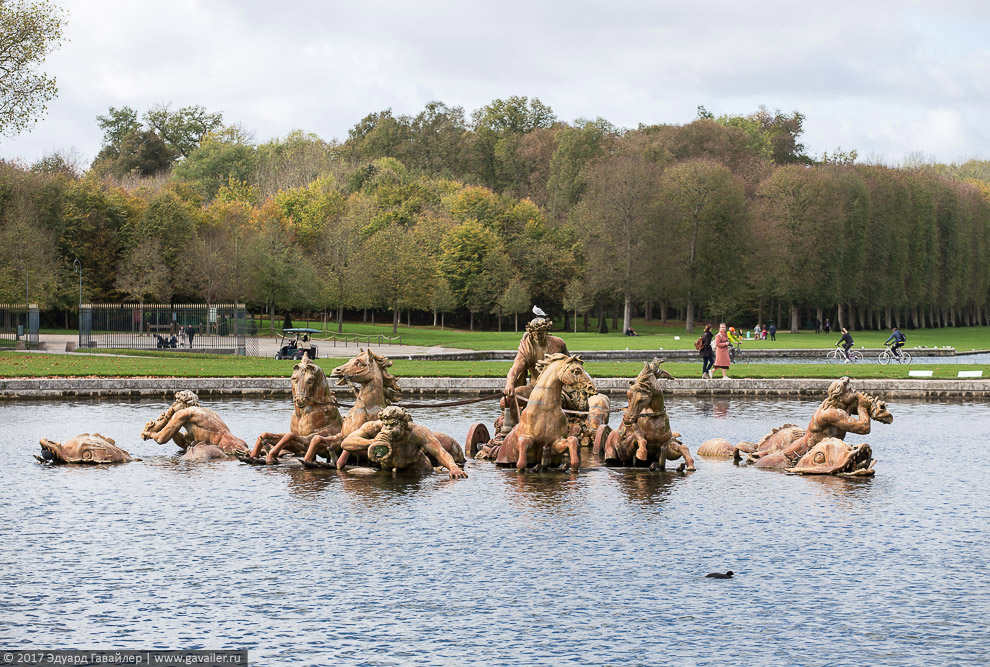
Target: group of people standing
[(715, 350)]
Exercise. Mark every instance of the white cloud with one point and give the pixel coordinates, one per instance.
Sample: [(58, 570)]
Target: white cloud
[(888, 77)]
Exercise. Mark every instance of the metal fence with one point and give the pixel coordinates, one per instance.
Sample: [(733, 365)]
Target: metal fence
[(209, 328), (18, 326)]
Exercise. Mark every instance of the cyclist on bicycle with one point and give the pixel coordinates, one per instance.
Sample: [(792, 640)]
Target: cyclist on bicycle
[(846, 342), (899, 340), (734, 341)]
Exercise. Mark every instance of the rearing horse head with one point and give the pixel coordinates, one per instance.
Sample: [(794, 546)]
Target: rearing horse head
[(309, 385), (369, 368), (645, 390), (568, 369)]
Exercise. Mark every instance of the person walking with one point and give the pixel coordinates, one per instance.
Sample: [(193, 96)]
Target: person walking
[(773, 331), (846, 342), (707, 353), (827, 326), (722, 350), (818, 326)]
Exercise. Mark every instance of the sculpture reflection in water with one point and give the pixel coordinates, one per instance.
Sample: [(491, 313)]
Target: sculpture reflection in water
[(818, 449)]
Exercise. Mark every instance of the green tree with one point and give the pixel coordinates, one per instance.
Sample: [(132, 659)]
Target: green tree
[(577, 297), (705, 213), (29, 31), (141, 276), (183, 129), (497, 129), (617, 217), (220, 157), (514, 300), (141, 152), (473, 262), (443, 300), (116, 125)]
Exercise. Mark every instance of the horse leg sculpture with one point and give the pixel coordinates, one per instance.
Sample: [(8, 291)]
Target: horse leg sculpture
[(264, 441), (524, 443)]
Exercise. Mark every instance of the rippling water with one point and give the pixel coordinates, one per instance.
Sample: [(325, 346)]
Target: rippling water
[(312, 567)]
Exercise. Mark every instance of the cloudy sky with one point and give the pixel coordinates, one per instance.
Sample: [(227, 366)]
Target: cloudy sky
[(888, 78)]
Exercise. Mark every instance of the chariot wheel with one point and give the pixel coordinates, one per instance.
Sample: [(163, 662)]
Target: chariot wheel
[(601, 436), (477, 435)]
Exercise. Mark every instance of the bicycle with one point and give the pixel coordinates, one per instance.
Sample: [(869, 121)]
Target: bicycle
[(902, 356), (838, 355), (735, 353)]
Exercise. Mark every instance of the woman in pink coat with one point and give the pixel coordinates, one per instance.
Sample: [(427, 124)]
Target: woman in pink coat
[(721, 344)]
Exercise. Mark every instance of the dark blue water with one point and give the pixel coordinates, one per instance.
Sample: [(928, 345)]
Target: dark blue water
[(312, 567)]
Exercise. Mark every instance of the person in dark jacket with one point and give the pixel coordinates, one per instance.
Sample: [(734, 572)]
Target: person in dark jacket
[(899, 340), (773, 331), (707, 353), (846, 342)]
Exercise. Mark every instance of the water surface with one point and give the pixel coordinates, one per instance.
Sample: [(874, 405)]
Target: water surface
[(607, 567)]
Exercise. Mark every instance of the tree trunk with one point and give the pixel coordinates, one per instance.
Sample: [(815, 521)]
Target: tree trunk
[(499, 318), (627, 313), (434, 317), (689, 317), (663, 311), (586, 322), (602, 322), (649, 310), (840, 317), (471, 321), (443, 316), (395, 318), (515, 327), (340, 319), (575, 320), (795, 319), (778, 319), (364, 317)]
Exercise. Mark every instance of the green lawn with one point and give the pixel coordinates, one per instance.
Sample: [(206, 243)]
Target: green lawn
[(652, 336), (156, 364), (665, 336)]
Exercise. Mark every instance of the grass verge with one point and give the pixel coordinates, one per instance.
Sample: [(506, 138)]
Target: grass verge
[(22, 365)]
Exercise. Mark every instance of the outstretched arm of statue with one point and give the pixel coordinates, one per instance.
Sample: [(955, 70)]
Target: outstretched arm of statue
[(361, 439), (518, 368), (433, 447), (859, 424)]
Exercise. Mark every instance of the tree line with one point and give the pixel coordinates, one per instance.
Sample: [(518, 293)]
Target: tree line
[(480, 216)]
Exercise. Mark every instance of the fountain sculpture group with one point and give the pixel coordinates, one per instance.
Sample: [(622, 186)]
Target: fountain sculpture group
[(550, 410)]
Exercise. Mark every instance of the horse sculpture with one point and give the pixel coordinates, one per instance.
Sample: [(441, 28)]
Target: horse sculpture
[(645, 437), (541, 436), (315, 413), (374, 389)]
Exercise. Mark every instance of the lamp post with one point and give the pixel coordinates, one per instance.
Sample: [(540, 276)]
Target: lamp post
[(77, 267)]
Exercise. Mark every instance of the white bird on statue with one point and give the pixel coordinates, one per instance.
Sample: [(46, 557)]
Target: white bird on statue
[(538, 312)]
